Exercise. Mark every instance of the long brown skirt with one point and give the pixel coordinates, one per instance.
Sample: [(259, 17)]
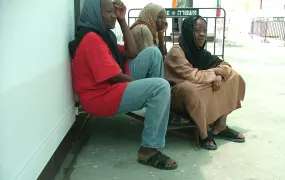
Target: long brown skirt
[(205, 106)]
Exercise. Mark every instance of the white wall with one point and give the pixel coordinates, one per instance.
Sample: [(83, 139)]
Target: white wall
[(36, 99), (273, 5)]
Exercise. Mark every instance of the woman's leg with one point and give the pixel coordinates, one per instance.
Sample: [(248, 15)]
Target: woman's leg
[(154, 94), (147, 64), (184, 96), (221, 125), (151, 93)]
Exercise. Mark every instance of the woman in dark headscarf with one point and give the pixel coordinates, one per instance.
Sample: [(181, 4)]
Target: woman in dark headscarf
[(107, 84), (203, 85)]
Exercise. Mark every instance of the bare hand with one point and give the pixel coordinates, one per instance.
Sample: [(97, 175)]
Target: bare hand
[(219, 71), (120, 9), (217, 83)]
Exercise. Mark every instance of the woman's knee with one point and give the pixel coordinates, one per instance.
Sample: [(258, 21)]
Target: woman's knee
[(162, 84), (237, 77), (187, 88), (152, 49), (153, 53)]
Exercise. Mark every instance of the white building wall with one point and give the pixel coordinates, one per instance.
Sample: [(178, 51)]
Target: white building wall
[(36, 99)]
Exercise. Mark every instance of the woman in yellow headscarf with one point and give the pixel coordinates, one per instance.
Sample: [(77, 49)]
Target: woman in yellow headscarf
[(149, 28)]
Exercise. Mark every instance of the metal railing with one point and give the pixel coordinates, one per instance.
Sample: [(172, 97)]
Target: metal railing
[(269, 27), (216, 24)]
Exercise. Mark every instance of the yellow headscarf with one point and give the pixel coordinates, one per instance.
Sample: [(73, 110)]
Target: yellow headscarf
[(148, 17)]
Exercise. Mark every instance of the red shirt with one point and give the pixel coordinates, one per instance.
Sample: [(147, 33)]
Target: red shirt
[(92, 66)]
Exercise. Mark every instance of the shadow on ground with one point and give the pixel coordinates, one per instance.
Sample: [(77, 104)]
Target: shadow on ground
[(112, 150)]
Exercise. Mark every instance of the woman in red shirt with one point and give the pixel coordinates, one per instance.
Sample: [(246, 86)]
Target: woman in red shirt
[(106, 84)]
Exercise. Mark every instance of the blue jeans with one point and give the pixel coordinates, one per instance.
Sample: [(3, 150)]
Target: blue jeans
[(149, 90)]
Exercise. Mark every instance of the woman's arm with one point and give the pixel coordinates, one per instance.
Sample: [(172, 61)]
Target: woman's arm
[(219, 66), (178, 67), (131, 50), (142, 36), (120, 78), (102, 64), (224, 69)]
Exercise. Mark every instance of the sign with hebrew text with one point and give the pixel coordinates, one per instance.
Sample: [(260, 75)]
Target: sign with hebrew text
[(181, 12)]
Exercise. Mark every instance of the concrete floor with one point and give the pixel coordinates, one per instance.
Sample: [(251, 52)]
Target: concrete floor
[(110, 153)]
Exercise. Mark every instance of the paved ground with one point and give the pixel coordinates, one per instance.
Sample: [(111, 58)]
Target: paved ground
[(110, 154)]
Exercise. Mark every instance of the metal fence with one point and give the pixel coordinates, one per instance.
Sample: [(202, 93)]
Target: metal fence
[(272, 27), (216, 25)]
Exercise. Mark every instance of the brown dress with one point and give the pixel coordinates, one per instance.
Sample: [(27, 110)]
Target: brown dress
[(192, 90)]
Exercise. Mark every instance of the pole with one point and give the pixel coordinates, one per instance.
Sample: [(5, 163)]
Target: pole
[(266, 29), (218, 12), (174, 3), (191, 3), (76, 11)]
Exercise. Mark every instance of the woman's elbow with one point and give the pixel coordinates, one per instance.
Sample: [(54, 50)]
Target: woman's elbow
[(131, 54), (134, 54)]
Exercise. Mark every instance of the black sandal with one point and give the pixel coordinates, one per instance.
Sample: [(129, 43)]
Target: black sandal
[(204, 142), (230, 135), (159, 161)]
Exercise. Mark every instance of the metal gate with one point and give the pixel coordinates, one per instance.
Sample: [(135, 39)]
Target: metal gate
[(216, 25), (269, 27)]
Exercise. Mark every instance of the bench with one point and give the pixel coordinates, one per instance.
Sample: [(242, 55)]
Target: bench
[(177, 121)]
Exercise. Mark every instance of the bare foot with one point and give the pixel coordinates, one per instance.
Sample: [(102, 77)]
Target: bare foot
[(210, 143), (241, 136)]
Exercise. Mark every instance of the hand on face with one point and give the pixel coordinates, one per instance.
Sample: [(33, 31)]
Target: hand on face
[(120, 9)]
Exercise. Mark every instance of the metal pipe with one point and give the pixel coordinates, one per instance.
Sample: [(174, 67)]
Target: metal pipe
[(191, 3)]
